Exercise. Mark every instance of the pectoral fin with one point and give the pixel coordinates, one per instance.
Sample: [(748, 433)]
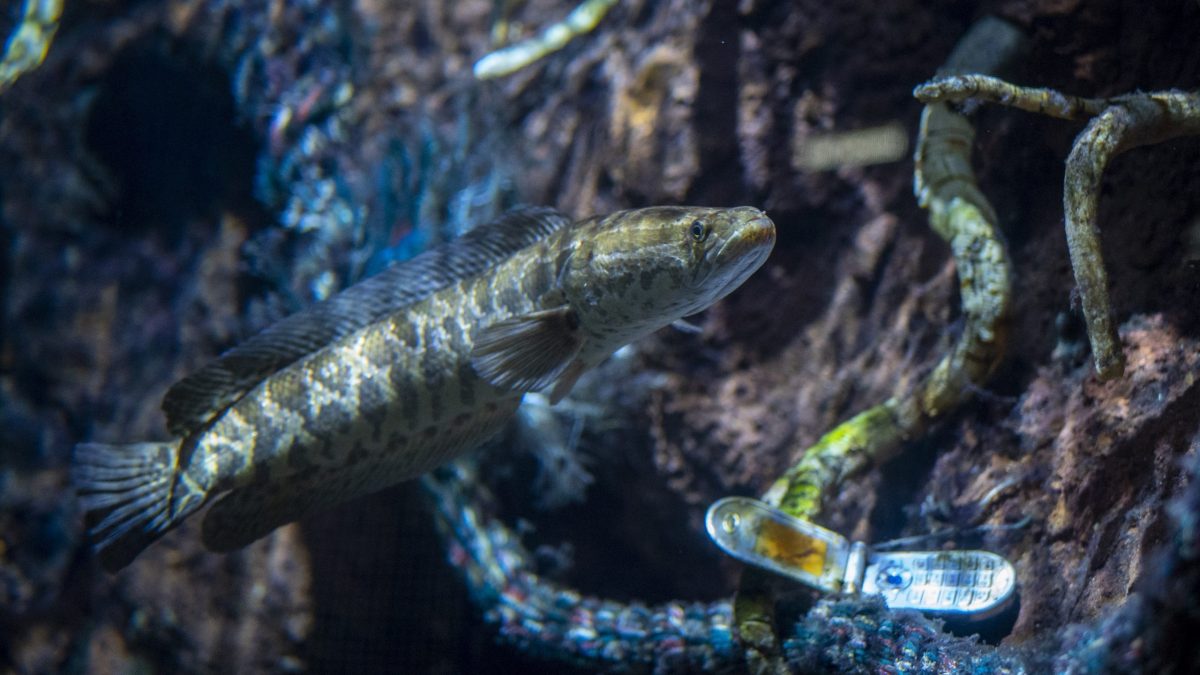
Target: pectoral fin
[(567, 382), (528, 352), (686, 327)]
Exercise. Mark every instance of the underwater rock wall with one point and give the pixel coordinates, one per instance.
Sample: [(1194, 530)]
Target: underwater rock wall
[(178, 174)]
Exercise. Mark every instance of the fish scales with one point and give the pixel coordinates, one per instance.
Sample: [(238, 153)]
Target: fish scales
[(286, 425), (391, 381)]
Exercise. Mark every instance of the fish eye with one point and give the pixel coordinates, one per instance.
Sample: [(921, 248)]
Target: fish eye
[(699, 232)]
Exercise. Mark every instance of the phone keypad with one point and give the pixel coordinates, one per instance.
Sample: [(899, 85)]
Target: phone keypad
[(969, 582)]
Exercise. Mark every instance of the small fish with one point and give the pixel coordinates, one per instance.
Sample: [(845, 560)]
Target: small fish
[(408, 369)]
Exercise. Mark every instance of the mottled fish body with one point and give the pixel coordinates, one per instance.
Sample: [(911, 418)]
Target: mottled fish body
[(410, 368)]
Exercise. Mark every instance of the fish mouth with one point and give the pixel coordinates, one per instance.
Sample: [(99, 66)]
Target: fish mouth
[(744, 252), (755, 236)]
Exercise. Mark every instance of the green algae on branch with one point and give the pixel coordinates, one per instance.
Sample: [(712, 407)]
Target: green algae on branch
[(958, 212), (958, 88), (944, 184), (1118, 124), (30, 40), (583, 19)]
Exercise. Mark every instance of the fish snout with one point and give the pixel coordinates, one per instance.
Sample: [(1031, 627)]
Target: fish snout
[(754, 237), (761, 231), (744, 251)]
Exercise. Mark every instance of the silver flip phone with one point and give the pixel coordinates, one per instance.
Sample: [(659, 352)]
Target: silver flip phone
[(967, 584)]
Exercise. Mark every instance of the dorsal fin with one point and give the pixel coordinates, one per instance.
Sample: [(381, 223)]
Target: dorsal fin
[(198, 398)]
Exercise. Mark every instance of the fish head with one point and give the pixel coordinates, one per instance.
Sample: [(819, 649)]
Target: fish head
[(736, 243), (642, 269)]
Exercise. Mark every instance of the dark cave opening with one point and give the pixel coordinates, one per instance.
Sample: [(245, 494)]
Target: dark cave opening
[(164, 128)]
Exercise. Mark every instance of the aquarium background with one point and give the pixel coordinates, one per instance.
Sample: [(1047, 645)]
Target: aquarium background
[(175, 175)]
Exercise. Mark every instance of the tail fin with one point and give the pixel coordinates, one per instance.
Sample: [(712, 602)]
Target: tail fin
[(127, 492)]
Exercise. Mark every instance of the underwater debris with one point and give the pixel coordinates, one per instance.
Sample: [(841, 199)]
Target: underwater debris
[(860, 147), (960, 88), (1118, 124), (860, 634), (553, 621), (30, 40), (408, 369), (839, 634), (294, 83), (583, 19), (958, 212), (547, 619), (971, 584), (562, 476)]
